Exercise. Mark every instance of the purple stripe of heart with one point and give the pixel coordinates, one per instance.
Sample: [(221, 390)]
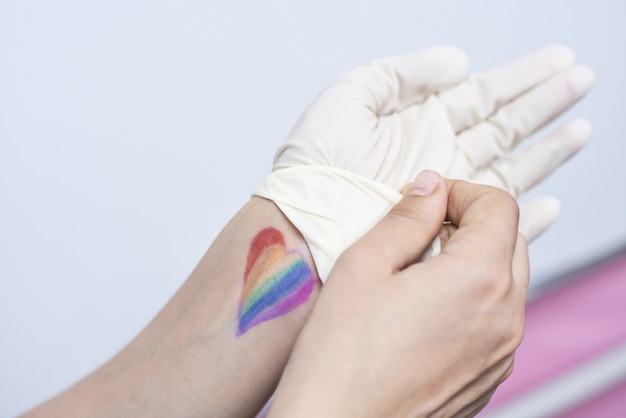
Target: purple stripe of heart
[(295, 299)]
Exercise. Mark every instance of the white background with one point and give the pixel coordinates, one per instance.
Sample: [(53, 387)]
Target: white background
[(131, 131)]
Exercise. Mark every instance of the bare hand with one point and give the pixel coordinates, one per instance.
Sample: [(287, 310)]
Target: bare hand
[(391, 337)]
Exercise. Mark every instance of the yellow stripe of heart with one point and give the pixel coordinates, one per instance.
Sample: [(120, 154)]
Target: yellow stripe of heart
[(263, 265), (270, 279)]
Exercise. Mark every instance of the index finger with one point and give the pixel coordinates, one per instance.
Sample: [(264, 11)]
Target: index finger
[(487, 220)]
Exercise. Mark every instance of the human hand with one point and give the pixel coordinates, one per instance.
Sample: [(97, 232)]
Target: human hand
[(390, 337), (371, 131)]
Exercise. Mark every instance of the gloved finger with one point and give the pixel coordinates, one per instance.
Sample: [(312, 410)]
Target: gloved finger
[(538, 215), (522, 171), (390, 84), (521, 276), (482, 94), (410, 226), (503, 131)]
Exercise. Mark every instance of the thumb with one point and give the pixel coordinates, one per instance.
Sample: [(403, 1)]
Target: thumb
[(390, 84), (400, 238)]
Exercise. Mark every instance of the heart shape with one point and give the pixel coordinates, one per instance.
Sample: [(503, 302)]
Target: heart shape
[(276, 281)]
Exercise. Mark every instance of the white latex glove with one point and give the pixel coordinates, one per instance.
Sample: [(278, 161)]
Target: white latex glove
[(371, 131)]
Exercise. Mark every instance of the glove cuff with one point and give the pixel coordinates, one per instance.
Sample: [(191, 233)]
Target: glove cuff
[(331, 207)]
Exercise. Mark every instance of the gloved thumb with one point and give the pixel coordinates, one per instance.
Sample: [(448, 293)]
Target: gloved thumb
[(402, 236), (390, 84)]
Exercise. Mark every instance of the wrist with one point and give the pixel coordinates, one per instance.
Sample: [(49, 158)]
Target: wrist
[(331, 207), (191, 360)]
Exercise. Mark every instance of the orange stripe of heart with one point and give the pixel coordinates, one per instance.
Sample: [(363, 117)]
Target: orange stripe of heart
[(268, 262)]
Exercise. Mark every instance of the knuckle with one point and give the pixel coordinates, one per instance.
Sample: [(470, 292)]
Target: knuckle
[(517, 335), (506, 201), (515, 332), (495, 277), (509, 365)]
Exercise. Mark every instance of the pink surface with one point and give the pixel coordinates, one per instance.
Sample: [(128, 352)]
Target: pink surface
[(611, 404), (569, 327)]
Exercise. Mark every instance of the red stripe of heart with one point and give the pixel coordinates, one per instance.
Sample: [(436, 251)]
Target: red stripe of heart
[(267, 237)]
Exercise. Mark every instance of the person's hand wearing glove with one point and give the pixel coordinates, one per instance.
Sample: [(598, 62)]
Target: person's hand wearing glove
[(371, 131), (389, 337)]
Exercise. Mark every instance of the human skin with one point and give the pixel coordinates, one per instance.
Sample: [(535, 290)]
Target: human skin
[(190, 360), (392, 337), (196, 356)]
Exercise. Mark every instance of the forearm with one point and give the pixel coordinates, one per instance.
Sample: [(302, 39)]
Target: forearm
[(212, 349)]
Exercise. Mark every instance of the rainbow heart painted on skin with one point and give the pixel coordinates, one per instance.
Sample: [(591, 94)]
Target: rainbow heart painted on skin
[(276, 281)]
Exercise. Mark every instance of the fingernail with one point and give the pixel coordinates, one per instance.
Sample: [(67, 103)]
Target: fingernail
[(424, 184)]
